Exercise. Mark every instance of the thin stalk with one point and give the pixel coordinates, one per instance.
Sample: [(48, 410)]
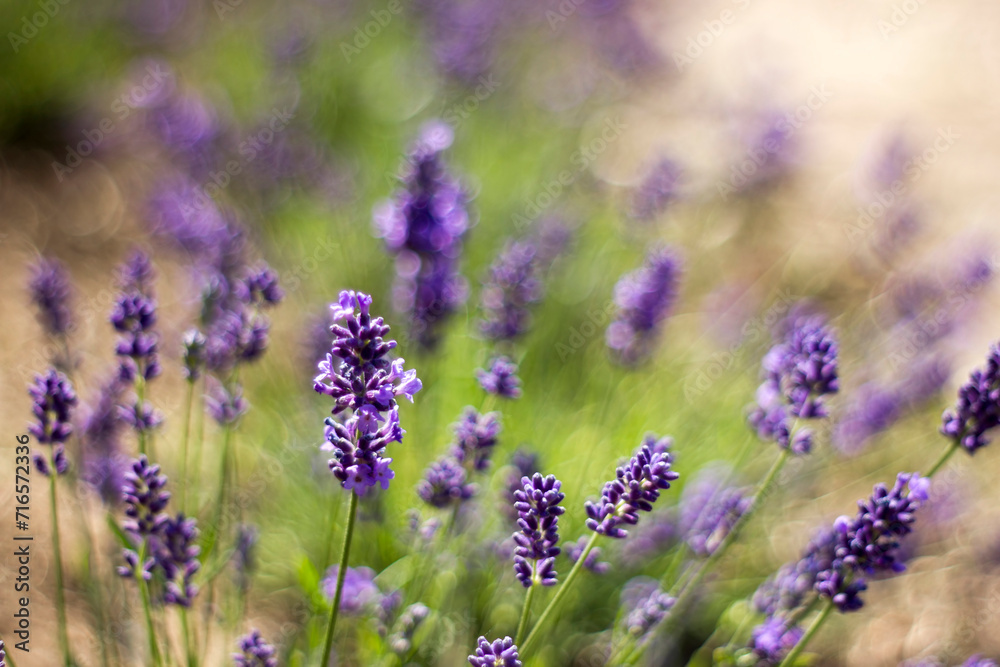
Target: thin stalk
[(813, 629), (185, 482), (943, 459), (95, 595), (554, 604), (192, 660), (60, 593), (198, 445), (526, 611), (352, 513), (220, 500), (154, 649), (140, 397)]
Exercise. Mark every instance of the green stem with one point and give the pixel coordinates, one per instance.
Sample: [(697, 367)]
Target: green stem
[(192, 660), (352, 513), (813, 629), (198, 445), (554, 604), (154, 649), (140, 397), (220, 500), (184, 445), (943, 459), (526, 611), (60, 593)]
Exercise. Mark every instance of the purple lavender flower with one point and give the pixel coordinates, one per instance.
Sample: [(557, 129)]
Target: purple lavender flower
[(53, 400), (636, 487), (657, 191), (423, 225), (254, 652), (364, 384), (176, 555), (464, 35), (709, 508), (137, 273), (770, 154), (537, 505), (501, 378), (501, 653), (647, 605), (788, 588), (193, 356), (773, 639), (644, 299), (50, 291), (3, 655), (260, 288), (145, 499), (978, 407), (226, 405), (104, 463), (575, 549), (445, 483), (513, 283), (244, 555), (475, 437), (359, 592), (872, 410), (799, 371), (979, 661), (868, 543)]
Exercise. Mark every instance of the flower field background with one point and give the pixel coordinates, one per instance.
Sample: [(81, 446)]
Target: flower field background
[(762, 229)]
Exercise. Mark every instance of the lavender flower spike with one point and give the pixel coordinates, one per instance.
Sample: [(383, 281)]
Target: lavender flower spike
[(444, 483), (636, 487), (53, 400), (423, 226), (644, 299), (50, 291), (537, 505), (868, 543), (3, 655), (501, 378), (500, 653), (254, 652), (799, 372), (364, 383), (978, 407)]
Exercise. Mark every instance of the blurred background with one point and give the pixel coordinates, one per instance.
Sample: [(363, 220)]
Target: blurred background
[(838, 153)]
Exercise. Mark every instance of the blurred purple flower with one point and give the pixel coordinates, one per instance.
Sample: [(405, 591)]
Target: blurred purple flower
[(644, 299), (50, 292), (657, 191)]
